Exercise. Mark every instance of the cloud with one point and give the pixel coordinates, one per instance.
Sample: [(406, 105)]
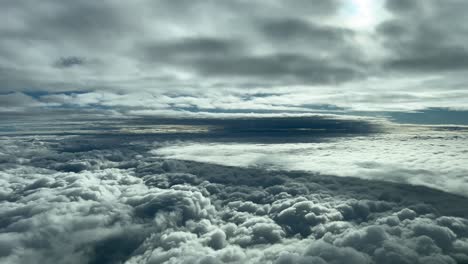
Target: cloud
[(412, 40), (131, 207), (115, 184), (17, 102), (193, 56), (66, 62), (211, 57), (110, 29), (425, 155), (233, 127)]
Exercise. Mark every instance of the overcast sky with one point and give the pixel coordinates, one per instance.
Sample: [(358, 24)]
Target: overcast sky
[(179, 56)]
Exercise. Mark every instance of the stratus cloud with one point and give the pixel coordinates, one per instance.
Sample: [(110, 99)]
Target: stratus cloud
[(419, 157), (129, 207)]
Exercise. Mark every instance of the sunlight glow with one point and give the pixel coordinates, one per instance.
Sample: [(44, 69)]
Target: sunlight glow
[(363, 14)]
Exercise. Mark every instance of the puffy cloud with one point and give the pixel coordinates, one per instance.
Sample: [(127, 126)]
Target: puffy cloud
[(130, 207), (333, 254)]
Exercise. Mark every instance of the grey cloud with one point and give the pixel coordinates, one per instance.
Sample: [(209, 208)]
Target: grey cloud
[(312, 37), (190, 53), (292, 68), (11, 101), (217, 239), (106, 33), (86, 22), (262, 8), (164, 211), (193, 48), (333, 254), (426, 36), (442, 236), (67, 62), (213, 57), (402, 5), (214, 51), (275, 128), (447, 60)]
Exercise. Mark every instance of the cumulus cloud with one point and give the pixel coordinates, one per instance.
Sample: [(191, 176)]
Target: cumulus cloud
[(128, 206)]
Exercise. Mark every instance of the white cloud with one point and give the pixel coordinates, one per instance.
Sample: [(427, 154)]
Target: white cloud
[(421, 157)]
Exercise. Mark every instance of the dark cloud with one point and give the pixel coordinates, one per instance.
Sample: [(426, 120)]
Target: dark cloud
[(212, 58), (184, 50), (402, 6), (87, 22), (294, 68), (432, 116), (317, 40), (107, 30), (255, 129), (425, 36), (67, 62)]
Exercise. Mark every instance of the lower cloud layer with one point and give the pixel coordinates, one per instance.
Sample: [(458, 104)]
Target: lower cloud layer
[(117, 203), (436, 159)]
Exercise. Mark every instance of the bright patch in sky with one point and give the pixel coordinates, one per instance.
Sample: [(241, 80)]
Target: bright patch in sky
[(363, 14)]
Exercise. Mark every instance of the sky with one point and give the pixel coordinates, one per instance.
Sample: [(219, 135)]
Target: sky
[(153, 58)]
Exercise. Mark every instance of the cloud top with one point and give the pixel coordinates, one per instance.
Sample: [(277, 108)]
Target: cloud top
[(120, 204)]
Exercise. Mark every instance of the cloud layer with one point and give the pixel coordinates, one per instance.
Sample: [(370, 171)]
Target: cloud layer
[(195, 56), (111, 201), (413, 155)]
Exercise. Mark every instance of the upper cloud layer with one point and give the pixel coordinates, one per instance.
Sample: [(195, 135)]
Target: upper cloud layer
[(211, 55), (433, 42)]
